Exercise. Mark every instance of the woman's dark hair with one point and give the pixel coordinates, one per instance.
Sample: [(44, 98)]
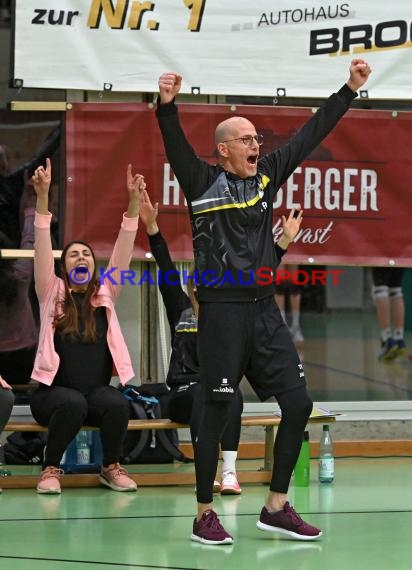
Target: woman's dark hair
[(66, 317), (8, 281)]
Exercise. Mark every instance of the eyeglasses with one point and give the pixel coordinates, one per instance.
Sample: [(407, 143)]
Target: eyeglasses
[(247, 140)]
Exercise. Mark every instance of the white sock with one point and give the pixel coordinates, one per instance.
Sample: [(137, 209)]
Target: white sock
[(398, 334), (229, 461), (385, 334), (295, 320)]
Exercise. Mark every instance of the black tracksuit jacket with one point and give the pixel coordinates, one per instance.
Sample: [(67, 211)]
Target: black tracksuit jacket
[(231, 217)]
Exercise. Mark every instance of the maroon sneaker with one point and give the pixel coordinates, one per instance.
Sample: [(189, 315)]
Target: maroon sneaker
[(287, 522), (209, 530)]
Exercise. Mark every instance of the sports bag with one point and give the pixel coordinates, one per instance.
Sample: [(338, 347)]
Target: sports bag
[(24, 448), (148, 401)]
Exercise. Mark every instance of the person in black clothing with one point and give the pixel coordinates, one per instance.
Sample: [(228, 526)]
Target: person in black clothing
[(240, 330), (12, 184), (183, 374), (18, 329), (6, 408)]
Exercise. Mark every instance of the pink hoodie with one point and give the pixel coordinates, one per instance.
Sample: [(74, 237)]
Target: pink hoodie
[(49, 287)]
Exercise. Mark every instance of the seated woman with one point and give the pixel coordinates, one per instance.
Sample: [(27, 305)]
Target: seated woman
[(183, 377), (80, 342)]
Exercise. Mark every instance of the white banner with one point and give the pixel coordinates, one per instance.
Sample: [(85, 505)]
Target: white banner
[(298, 48)]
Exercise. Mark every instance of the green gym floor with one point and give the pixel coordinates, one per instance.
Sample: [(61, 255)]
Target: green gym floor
[(365, 514)]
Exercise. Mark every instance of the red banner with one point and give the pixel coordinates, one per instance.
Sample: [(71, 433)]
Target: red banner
[(353, 188)]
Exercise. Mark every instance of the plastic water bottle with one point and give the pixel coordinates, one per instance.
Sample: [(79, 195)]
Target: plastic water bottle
[(82, 448), (326, 459), (302, 467), (63, 460)]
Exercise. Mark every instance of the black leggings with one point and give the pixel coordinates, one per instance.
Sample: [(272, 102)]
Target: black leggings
[(6, 406), (64, 411), (185, 406), (296, 407)]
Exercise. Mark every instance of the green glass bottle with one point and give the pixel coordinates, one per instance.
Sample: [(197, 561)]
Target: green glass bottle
[(302, 467)]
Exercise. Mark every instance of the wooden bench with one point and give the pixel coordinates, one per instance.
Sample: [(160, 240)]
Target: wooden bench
[(177, 473)]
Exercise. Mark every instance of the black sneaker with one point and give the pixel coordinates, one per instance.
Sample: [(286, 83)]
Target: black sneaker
[(287, 522), (209, 530)]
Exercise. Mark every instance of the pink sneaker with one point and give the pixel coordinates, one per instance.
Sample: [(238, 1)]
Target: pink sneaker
[(49, 482), (230, 485), (216, 486), (116, 477)]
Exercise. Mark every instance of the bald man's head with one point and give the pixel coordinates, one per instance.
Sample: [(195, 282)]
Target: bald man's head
[(238, 146), (230, 128)]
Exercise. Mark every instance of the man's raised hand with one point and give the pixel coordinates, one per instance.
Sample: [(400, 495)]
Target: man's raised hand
[(169, 86), (359, 72)]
